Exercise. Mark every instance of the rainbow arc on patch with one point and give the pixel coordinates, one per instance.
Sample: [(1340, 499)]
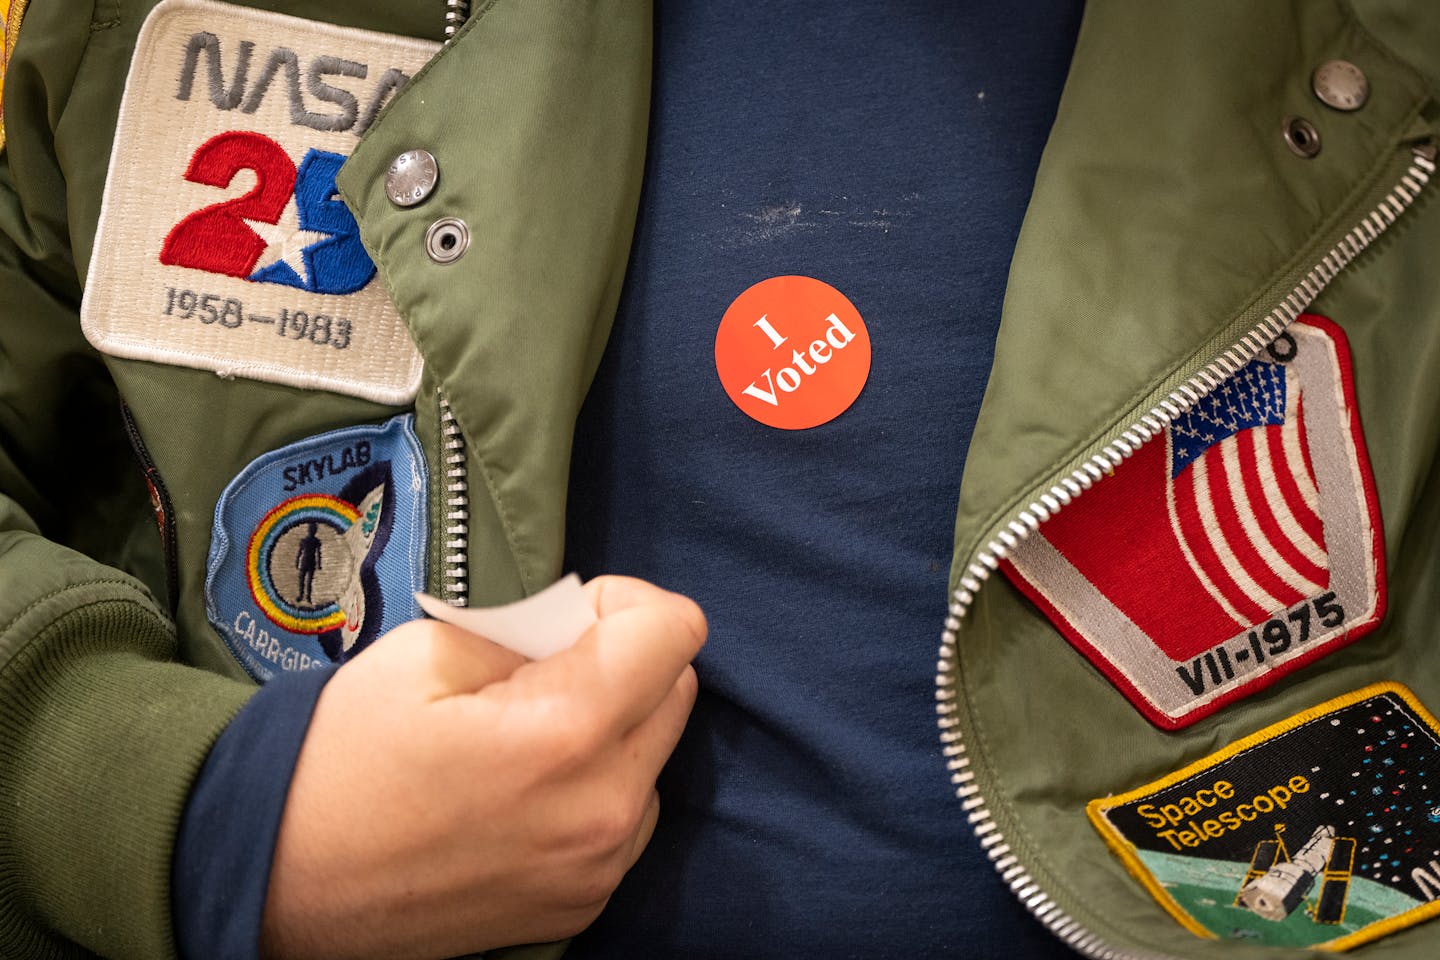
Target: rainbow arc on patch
[(319, 508)]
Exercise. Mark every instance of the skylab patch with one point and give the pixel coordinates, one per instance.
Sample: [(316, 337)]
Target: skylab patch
[(319, 548), (1241, 545), (222, 243), (1320, 831)]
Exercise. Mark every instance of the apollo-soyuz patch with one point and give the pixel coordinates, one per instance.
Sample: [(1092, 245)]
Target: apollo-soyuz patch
[(319, 547), (222, 243), (1241, 545), (1320, 831)]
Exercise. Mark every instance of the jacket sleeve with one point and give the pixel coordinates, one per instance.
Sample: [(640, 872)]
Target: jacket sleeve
[(101, 731)]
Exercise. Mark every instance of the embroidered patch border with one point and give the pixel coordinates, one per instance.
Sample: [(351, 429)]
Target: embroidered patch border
[(1276, 839), (222, 244), (1214, 562)]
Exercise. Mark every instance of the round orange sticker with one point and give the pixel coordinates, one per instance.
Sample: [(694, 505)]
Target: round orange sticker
[(792, 352)]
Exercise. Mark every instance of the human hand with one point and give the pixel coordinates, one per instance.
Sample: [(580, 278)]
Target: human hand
[(452, 797)]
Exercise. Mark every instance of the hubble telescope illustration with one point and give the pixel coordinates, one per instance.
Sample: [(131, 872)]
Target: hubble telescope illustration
[(1277, 883)]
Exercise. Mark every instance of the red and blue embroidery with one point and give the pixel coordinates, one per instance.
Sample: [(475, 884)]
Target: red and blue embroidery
[(319, 252), (1238, 547)]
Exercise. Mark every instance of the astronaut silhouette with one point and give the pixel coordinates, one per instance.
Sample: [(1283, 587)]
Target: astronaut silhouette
[(308, 559)]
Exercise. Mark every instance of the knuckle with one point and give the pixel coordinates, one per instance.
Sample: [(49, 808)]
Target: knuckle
[(420, 646), (440, 645), (606, 822), (548, 745), (577, 735), (612, 826), (560, 738)]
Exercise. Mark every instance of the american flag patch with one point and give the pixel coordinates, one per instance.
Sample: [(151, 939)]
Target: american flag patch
[(1239, 546)]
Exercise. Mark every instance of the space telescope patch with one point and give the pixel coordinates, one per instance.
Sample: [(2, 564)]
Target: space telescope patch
[(1238, 545), (1320, 831), (319, 547)]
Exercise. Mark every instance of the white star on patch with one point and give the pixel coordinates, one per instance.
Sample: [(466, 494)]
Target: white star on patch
[(284, 240)]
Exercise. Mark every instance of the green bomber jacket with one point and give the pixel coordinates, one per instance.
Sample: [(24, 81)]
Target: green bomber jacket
[(1182, 221)]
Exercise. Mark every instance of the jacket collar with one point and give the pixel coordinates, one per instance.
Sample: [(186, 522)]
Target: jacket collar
[(536, 115), (1169, 217)]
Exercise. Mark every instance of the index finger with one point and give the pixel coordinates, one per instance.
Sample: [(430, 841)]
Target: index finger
[(624, 666)]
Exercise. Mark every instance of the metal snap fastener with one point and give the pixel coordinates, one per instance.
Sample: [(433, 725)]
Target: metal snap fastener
[(1340, 84), (411, 178), (447, 240), (1302, 137)]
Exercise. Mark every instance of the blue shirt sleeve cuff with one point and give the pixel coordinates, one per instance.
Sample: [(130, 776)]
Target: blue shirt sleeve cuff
[(221, 867)]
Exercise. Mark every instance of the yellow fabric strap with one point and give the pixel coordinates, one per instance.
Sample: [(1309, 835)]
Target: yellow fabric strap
[(11, 13)]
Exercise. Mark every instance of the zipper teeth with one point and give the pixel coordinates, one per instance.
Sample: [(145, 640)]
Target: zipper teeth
[(455, 554), (1150, 425), (456, 13), (455, 559)]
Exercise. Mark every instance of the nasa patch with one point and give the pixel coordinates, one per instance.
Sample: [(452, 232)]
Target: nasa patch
[(1320, 831), (222, 243), (319, 547), (1237, 547)]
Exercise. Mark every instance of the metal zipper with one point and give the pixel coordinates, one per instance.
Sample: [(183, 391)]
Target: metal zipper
[(455, 550), (1068, 488), (456, 13), (455, 555)]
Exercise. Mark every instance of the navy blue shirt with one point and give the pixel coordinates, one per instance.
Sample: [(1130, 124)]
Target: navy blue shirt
[(888, 148), (220, 872)]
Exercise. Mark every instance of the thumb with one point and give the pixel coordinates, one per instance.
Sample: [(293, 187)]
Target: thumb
[(625, 665), (440, 659)]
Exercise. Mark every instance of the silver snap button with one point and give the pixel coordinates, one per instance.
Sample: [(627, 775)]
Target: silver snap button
[(411, 178), (447, 240), (1340, 84), (1302, 137)]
